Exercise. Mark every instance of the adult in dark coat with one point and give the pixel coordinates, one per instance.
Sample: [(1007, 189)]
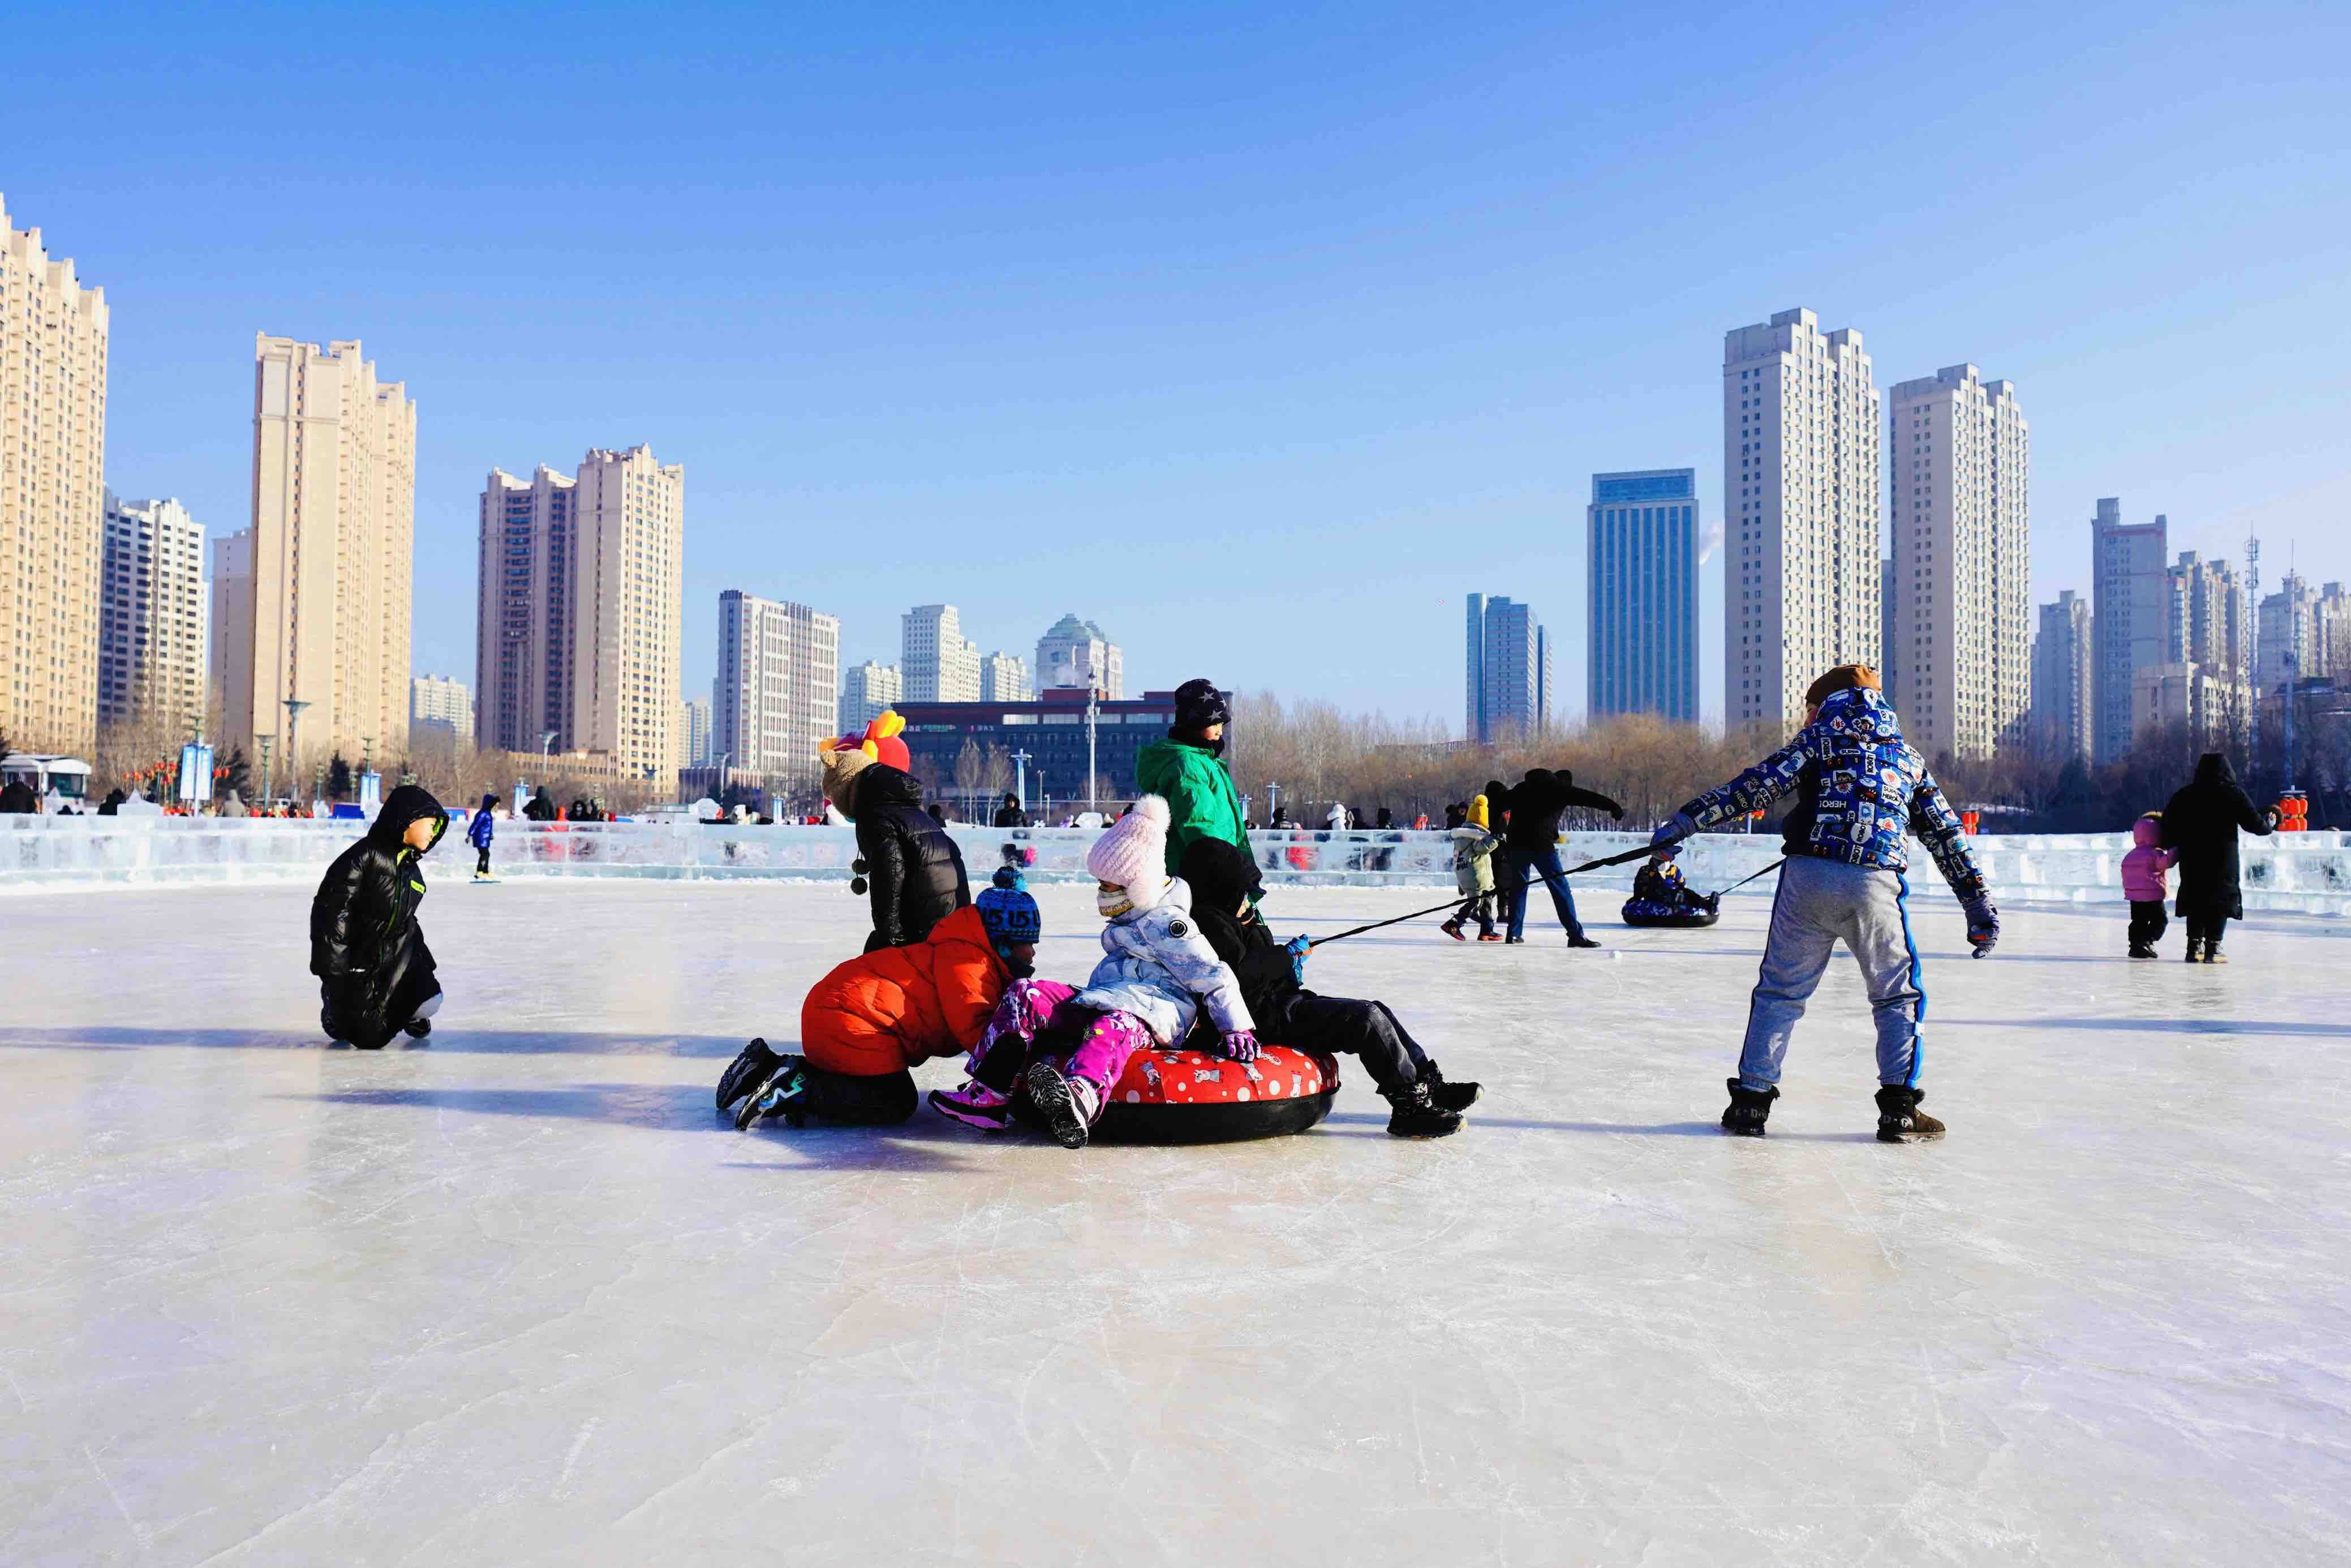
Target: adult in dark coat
[(540, 807), (112, 805), (375, 973), (914, 872), (18, 798), (2202, 822), (1530, 846), (1009, 814)]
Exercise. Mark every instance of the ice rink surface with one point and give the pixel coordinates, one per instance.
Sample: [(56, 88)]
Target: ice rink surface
[(519, 1297)]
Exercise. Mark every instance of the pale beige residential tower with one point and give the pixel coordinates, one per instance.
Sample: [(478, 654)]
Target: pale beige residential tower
[(53, 337), (152, 664), (1963, 616), (333, 546), (867, 693), (940, 664), (777, 691), (1799, 477), (628, 612), (523, 631), (1004, 677)]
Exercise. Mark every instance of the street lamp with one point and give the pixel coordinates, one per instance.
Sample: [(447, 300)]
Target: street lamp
[(1021, 778), (294, 706), (1094, 716)]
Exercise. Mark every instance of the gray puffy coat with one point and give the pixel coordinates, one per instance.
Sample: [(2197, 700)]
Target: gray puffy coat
[(1158, 966)]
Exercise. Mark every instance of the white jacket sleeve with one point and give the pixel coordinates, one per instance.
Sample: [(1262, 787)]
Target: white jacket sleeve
[(1179, 946)]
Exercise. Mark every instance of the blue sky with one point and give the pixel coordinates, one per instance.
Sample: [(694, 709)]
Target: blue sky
[(1260, 338)]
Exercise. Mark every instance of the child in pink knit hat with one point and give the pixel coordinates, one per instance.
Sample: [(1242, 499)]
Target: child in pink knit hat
[(1157, 974)]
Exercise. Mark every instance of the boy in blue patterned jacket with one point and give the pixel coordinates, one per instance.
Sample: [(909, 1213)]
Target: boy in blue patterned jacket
[(1861, 790)]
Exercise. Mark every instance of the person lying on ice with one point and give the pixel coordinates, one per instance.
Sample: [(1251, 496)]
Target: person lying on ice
[(873, 1018), (1860, 790), (1225, 886), (1661, 891), (1066, 1047), (375, 973)]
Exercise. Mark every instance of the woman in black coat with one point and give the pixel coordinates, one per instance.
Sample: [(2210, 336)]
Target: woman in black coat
[(915, 871), (2201, 822), (375, 973)]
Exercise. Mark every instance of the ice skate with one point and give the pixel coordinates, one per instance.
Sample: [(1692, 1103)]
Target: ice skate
[(2195, 952), (1899, 1119), (1488, 937), (1414, 1115), (975, 1105), (1749, 1110), (1453, 929), (1447, 1096), (1068, 1105), (753, 1065), (2213, 953), (2143, 950), (783, 1094)]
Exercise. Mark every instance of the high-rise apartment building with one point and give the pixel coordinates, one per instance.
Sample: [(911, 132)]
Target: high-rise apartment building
[(53, 338), (441, 700), (2209, 631), (581, 613), (1075, 652), (2130, 603), (523, 635), (1962, 569), (693, 727), (228, 603), (1511, 686), (334, 513), (151, 659), (940, 665), (867, 693), (776, 699), (1643, 622), (1800, 475), (2304, 634), (1004, 677), (2064, 685)]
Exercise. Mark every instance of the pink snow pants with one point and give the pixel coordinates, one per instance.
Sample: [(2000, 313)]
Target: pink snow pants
[(1106, 1041)]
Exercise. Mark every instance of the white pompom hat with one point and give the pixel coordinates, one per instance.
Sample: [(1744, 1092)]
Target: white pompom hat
[(1132, 853)]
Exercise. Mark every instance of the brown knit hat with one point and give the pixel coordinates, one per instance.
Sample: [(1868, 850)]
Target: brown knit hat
[(841, 765), (1844, 678)]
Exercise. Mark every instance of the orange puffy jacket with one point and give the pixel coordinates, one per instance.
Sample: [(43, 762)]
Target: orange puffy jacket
[(895, 1007)]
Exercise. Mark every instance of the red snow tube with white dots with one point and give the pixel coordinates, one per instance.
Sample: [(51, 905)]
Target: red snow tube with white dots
[(1193, 1096)]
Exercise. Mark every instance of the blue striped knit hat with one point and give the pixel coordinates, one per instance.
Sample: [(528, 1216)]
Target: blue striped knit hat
[(1009, 914)]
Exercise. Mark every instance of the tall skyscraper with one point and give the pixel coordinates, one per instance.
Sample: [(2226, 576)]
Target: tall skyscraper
[(693, 729), (1075, 652), (152, 663), (2064, 684), (441, 700), (579, 619), (53, 337), (867, 693), (334, 513), (1643, 623), (1512, 698), (1473, 708), (1962, 569), (1800, 475), (777, 697), (523, 633), (940, 665), (1004, 677), (2130, 601)]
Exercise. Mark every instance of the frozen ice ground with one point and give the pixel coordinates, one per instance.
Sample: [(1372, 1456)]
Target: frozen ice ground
[(518, 1297)]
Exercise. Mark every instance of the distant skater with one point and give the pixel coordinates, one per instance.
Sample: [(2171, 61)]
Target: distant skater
[(478, 832), (2201, 822)]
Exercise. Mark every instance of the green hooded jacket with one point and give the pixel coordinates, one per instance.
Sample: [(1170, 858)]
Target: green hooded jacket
[(1201, 800)]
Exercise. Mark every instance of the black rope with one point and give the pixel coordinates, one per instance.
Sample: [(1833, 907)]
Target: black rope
[(1455, 902)]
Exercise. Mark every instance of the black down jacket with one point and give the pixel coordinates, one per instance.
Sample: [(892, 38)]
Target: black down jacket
[(913, 867), (366, 947), (1538, 803), (1221, 876), (2202, 822)]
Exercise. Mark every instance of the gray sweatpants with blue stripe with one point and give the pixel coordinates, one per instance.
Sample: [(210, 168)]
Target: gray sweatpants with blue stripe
[(1819, 903)]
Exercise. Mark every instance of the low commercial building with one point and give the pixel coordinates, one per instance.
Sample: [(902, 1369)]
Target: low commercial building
[(971, 753)]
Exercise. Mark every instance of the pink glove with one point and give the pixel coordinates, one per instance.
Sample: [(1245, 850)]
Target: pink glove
[(1241, 1044)]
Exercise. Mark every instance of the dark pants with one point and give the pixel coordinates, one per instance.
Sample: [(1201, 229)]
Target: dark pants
[(1478, 907), (2201, 930), (881, 1101), (2148, 922), (368, 1010), (482, 861), (1525, 865), (1365, 1030)]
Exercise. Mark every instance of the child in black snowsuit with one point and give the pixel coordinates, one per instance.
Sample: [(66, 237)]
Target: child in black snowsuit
[(1226, 886), (375, 973)]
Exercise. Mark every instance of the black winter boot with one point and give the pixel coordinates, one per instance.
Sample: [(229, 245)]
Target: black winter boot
[(1748, 1109), (1899, 1119), (1414, 1115), (418, 1028), (2195, 949), (1447, 1096), (783, 1093), (744, 1072)]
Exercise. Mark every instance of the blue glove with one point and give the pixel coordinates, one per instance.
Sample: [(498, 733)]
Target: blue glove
[(1983, 924), (1296, 946), (1673, 830), (1241, 1044)]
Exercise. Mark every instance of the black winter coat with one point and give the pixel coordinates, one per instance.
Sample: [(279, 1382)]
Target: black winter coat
[(18, 797), (1221, 876), (1011, 816), (1537, 806), (366, 947), (912, 867), (2202, 822)]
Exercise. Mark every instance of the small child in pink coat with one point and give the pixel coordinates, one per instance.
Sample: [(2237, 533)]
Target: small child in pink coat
[(2144, 870)]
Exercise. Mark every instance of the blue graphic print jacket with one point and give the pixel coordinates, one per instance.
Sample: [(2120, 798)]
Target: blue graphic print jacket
[(1861, 790)]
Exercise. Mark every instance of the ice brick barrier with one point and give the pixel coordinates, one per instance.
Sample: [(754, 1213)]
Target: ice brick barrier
[(2309, 872)]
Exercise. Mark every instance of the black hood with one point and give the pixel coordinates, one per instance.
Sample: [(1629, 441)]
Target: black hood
[(1563, 778), (1538, 777), (2212, 768), (881, 785), (1220, 875), (403, 806)]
